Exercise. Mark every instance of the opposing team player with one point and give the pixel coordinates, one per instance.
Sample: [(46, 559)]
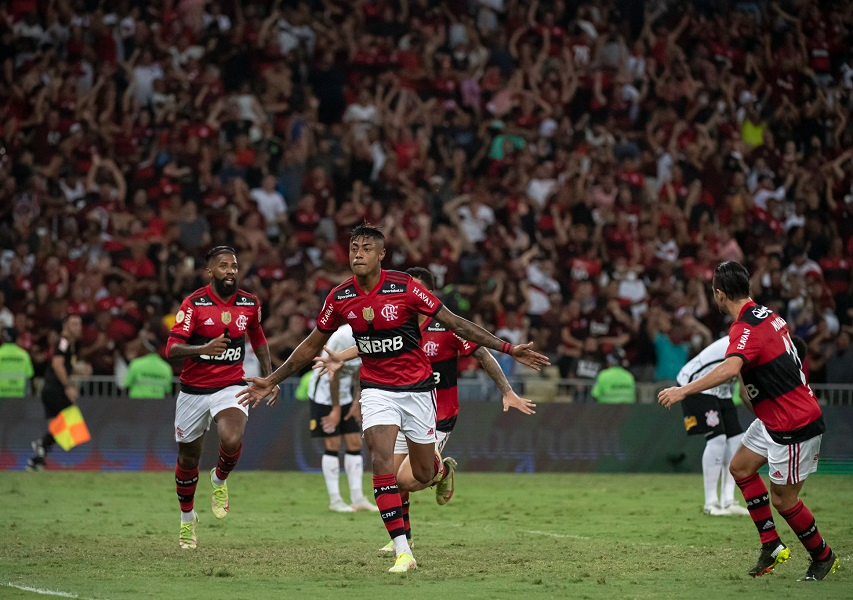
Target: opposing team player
[(443, 348), (789, 425), (209, 335), (713, 414), (396, 377), (335, 413)]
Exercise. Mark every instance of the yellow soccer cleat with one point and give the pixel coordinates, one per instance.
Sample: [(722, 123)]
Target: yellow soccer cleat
[(187, 539), (389, 547), (405, 562), (445, 488), (219, 503)]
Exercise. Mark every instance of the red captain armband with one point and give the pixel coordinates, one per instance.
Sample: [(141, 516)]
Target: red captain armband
[(506, 348)]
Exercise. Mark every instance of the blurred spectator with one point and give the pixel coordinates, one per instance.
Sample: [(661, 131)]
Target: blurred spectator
[(16, 367), (615, 384)]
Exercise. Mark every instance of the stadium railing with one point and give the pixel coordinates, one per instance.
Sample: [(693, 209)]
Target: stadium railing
[(538, 387)]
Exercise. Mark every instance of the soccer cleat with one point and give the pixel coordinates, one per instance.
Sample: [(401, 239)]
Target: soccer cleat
[(187, 538), (445, 488), (341, 507), (364, 504), (715, 511), (219, 503), (389, 547), (819, 569), (34, 465), (769, 558), (736, 509), (405, 562)]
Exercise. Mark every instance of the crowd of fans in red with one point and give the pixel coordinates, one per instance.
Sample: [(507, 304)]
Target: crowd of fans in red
[(572, 172)]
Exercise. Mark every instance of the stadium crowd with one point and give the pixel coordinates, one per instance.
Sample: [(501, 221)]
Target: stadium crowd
[(571, 172)]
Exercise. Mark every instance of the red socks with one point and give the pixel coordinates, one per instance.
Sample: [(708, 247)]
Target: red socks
[(758, 502), (186, 482), (801, 520), (227, 462), (387, 496)]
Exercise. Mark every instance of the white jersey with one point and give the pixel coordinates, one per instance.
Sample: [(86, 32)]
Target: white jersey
[(318, 387), (703, 363)]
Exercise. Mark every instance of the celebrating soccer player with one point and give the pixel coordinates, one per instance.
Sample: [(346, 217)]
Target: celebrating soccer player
[(789, 425), (396, 377), (443, 349), (209, 335)]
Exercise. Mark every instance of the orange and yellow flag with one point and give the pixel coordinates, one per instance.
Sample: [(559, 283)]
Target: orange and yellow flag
[(69, 429)]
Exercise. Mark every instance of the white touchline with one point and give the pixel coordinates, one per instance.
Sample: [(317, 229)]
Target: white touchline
[(558, 535), (44, 592)]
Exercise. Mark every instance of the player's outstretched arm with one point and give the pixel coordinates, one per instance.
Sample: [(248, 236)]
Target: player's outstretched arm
[(334, 360), (263, 354), (720, 374), (467, 330), (493, 370), (261, 387)]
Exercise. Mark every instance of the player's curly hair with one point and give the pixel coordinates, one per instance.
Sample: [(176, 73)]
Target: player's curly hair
[(367, 230)]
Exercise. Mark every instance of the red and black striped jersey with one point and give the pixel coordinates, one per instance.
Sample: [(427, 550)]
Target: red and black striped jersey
[(443, 348), (203, 317), (385, 327), (773, 376)]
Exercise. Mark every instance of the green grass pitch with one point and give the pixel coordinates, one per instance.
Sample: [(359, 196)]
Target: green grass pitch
[(114, 536)]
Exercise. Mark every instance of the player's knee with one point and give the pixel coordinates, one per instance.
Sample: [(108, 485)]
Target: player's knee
[(187, 462)]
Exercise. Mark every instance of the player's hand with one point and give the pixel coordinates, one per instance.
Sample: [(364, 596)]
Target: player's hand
[(669, 396), (354, 411), (215, 347), (328, 364), (330, 422), (71, 393), (524, 405), (525, 354), (258, 389), (273, 397)]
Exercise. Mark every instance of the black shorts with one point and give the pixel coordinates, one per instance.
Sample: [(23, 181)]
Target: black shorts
[(710, 416), (54, 401), (318, 411)]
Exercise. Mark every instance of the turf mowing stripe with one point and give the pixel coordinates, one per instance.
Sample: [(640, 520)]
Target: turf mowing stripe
[(44, 592)]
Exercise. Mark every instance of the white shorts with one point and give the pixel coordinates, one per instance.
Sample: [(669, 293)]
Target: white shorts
[(788, 464), (401, 447), (412, 412), (195, 412)]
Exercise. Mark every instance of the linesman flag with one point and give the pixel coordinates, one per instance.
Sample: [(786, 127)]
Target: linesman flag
[(69, 429)]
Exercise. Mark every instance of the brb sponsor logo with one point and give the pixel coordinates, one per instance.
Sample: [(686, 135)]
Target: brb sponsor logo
[(231, 354), (368, 346)]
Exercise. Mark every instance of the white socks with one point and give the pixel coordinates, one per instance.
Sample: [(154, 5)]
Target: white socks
[(727, 486), (354, 467), (401, 544), (187, 517), (712, 466), (331, 473)]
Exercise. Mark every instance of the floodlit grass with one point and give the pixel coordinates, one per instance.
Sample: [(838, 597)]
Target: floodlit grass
[(114, 536)]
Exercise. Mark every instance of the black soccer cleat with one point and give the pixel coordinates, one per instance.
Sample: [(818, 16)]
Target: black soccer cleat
[(821, 568), (770, 557)]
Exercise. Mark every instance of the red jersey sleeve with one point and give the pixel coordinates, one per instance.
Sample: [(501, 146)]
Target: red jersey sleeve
[(255, 331), (422, 300), (329, 319), (464, 347), (183, 327), (743, 342)]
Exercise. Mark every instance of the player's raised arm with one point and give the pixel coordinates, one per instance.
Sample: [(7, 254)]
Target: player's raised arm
[(261, 387), (467, 330), (493, 370)]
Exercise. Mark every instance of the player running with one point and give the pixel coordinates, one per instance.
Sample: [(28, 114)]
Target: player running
[(396, 377), (443, 348), (209, 335), (789, 425)]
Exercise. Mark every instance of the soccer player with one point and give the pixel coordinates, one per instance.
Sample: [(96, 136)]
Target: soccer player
[(397, 385), (712, 413), (787, 432), (209, 335), (443, 348), (58, 392), (328, 400)]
